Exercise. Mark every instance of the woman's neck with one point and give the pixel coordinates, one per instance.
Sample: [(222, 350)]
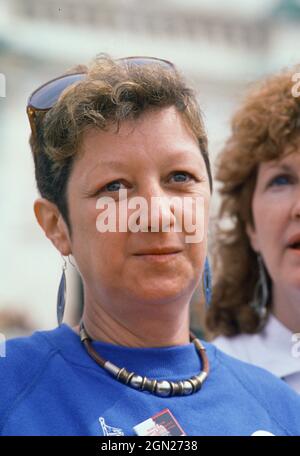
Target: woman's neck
[(144, 328)]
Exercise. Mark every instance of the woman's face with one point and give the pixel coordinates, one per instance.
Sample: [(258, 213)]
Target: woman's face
[(276, 214), (153, 156)]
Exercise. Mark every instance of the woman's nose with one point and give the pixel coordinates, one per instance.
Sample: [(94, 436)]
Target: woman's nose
[(158, 209)]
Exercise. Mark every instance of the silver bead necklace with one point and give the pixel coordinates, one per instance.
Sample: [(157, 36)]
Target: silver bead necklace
[(163, 388)]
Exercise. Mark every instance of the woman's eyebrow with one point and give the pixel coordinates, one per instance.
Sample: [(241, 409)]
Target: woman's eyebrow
[(283, 166), (107, 164), (184, 156)]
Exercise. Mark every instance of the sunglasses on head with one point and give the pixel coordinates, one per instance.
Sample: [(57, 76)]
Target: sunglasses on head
[(45, 96)]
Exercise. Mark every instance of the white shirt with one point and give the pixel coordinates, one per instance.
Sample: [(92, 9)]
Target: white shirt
[(274, 349)]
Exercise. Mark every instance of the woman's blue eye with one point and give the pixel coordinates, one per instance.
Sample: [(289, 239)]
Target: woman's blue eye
[(280, 180), (182, 176), (113, 186)]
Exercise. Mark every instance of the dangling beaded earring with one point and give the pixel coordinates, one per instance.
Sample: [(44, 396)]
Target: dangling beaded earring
[(61, 295), (207, 282), (261, 291)]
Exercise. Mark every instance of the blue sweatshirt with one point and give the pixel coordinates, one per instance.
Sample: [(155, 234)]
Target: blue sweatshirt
[(51, 386)]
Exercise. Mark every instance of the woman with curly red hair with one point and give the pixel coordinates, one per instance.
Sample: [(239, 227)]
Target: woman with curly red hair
[(256, 297)]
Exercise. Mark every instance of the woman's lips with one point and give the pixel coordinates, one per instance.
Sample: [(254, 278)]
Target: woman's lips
[(158, 258), (294, 250), (293, 242)]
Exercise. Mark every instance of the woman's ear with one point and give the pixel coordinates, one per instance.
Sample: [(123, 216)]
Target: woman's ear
[(253, 238), (53, 225)]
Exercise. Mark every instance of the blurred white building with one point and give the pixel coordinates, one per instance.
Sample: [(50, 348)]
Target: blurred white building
[(221, 47)]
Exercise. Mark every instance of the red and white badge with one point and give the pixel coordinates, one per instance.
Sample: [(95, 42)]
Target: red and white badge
[(163, 423)]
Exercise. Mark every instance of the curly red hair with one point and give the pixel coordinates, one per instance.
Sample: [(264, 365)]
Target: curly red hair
[(266, 127)]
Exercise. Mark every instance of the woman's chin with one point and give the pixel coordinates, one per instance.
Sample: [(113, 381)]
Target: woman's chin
[(160, 292)]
